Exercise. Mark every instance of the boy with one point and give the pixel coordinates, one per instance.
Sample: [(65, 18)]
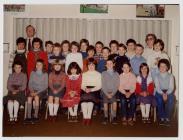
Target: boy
[(114, 48), (131, 44), (98, 47), (49, 48)]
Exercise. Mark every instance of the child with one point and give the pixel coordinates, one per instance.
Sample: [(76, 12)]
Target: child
[(91, 85), (74, 56), (73, 88), (102, 63), (98, 47), (84, 43), (16, 85), (144, 91), (36, 54), (126, 94), (109, 90), (49, 48), (150, 39), (38, 85), (90, 54), (164, 83), (154, 58), (19, 55), (65, 48), (131, 44), (121, 58), (114, 49), (138, 59), (57, 88)]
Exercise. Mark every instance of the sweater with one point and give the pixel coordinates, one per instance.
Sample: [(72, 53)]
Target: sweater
[(101, 65), (130, 55), (91, 78), (55, 79), (127, 81), (164, 81), (74, 57), (17, 79), (147, 52), (38, 82), (110, 82)]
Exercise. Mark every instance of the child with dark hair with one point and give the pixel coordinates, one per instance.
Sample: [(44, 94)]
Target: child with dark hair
[(131, 44), (84, 43), (73, 88), (164, 83), (121, 58), (101, 66), (113, 45), (65, 48), (74, 56), (38, 85), (144, 91), (109, 90), (56, 88), (98, 47), (90, 54), (35, 54), (49, 49), (19, 55), (16, 85)]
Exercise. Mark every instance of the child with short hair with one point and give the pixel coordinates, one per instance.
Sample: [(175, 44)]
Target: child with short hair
[(109, 90), (113, 45), (138, 59), (131, 44), (49, 49), (57, 88), (65, 48), (16, 85), (84, 43), (71, 98), (98, 47)]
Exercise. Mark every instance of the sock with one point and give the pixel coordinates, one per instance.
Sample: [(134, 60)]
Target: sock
[(90, 109), (29, 109), (36, 111), (113, 113), (84, 110), (50, 106), (55, 110), (147, 106), (75, 110), (106, 113), (10, 108), (142, 108), (71, 112), (16, 107)]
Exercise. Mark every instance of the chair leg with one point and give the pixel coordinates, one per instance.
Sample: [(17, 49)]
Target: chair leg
[(25, 113), (155, 117), (68, 114), (175, 115), (46, 115)]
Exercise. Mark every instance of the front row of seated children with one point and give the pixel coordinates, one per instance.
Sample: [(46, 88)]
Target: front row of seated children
[(85, 88)]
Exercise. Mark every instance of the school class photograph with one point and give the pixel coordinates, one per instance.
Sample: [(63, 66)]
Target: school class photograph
[(91, 70)]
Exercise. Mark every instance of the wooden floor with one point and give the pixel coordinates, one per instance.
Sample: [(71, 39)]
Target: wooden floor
[(63, 128)]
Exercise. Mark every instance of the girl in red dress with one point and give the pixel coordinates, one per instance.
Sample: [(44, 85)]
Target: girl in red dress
[(71, 98)]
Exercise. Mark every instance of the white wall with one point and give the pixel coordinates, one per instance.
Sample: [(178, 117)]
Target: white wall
[(114, 12)]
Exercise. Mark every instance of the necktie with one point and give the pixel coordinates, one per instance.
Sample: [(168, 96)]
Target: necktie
[(29, 45)]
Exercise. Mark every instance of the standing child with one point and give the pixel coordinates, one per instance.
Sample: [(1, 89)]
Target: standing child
[(49, 48), (144, 92), (164, 83), (73, 88), (65, 48), (16, 85), (84, 43), (98, 47), (131, 44), (114, 49), (127, 94), (38, 84), (74, 56), (109, 90), (57, 88)]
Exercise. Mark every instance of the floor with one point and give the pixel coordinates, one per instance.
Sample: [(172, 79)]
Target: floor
[(63, 128)]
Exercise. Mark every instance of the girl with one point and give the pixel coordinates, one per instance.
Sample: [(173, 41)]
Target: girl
[(65, 48), (73, 86), (164, 83), (36, 54), (109, 90), (126, 94), (84, 43), (154, 58), (144, 92), (91, 85), (38, 85), (16, 85), (74, 56), (57, 88)]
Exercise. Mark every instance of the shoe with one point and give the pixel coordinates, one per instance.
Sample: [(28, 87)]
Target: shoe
[(28, 121), (88, 122), (105, 120), (167, 122), (114, 121), (15, 120), (130, 122), (124, 122), (162, 121), (148, 120), (35, 120), (84, 121)]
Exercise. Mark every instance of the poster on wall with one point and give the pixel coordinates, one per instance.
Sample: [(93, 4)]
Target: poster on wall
[(93, 8), (150, 10), (14, 7)]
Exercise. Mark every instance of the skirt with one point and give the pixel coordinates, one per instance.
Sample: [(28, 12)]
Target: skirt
[(60, 94), (90, 97), (106, 100), (41, 95), (146, 100), (20, 97)]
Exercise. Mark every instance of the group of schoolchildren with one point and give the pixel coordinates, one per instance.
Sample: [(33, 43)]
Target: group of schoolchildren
[(74, 75)]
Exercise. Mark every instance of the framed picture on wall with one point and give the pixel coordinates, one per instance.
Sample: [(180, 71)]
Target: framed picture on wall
[(93, 8), (150, 10), (14, 7)]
